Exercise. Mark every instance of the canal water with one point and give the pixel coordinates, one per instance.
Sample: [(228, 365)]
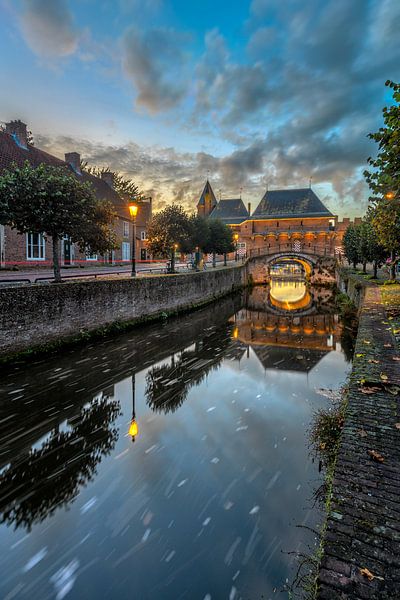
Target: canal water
[(170, 462)]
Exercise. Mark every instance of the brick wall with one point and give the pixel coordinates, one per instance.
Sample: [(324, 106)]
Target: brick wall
[(39, 314)]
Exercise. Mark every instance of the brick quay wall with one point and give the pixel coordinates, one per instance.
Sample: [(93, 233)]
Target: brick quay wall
[(361, 546), (40, 315)]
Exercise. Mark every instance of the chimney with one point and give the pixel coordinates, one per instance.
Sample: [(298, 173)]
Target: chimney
[(74, 161), (249, 207), (18, 130), (108, 177)]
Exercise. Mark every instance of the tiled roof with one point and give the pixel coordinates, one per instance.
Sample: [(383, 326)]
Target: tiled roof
[(207, 191), (230, 211), (11, 152), (301, 202)]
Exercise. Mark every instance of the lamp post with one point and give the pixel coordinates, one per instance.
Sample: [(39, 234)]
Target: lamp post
[(133, 209), (236, 237)]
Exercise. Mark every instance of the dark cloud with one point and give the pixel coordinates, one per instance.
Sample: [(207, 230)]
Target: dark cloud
[(48, 28), (154, 61)]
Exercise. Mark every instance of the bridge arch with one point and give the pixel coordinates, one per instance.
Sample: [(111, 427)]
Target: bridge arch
[(259, 265)]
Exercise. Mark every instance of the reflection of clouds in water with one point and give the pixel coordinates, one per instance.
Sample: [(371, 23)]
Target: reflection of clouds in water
[(230, 464), (64, 579)]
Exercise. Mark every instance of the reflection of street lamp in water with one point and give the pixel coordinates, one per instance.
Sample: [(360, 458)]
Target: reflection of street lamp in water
[(133, 427)]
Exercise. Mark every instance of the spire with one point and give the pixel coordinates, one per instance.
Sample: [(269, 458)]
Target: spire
[(207, 201)]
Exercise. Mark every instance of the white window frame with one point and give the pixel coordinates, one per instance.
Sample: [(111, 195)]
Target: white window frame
[(91, 256), (41, 245), (143, 236), (125, 225), (125, 251)]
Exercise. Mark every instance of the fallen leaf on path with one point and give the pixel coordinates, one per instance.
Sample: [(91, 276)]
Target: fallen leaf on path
[(370, 576), (384, 377), (366, 341), (376, 456), (397, 425), (369, 389), (372, 360), (359, 355), (387, 345), (396, 358), (362, 433)]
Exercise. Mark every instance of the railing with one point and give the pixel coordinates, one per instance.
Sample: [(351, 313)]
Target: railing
[(315, 251)]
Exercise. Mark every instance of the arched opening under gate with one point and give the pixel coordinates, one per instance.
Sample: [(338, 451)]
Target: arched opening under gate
[(289, 267)]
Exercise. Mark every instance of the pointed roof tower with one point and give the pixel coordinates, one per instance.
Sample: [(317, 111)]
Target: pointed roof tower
[(207, 201)]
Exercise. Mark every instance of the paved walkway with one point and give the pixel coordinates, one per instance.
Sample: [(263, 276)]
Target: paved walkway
[(156, 268), (362, 543)]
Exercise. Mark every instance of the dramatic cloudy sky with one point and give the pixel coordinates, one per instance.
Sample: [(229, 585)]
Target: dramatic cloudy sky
[(252, 93)]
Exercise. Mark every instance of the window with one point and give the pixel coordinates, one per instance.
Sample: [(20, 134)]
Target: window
[(126, 228), (35, 246), (126, 250), (143, 235), (277, 223), (90, 256)]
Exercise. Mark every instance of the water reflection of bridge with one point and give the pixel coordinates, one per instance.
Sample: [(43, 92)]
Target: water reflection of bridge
[(282, 325)]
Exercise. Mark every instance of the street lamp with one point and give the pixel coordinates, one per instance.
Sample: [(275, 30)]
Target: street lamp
[(236, 237), (133, 209), (389, 195)]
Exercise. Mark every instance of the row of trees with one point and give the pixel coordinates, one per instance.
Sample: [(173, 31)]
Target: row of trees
[(361, 245), (173, 230), (51, 201), (377, 238)]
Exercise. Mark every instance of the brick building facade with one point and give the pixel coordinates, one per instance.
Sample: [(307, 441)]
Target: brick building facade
[(32, 249), (292, 220)]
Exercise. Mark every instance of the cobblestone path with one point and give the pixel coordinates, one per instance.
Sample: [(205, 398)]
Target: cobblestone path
[(362, 543)]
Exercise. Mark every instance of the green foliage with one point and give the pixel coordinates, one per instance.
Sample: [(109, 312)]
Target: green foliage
[(385, 176), (384, 179), (199, 233), (221, 238), (326, 431), (362, 245), (168, 231), (50, 200), (351, 245)]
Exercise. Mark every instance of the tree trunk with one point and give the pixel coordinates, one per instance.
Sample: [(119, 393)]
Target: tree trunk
[(214, 260), (392, 266), (56, 260), (224, 259), (354, 264), (173, 260), (364, 267), (375, 269)]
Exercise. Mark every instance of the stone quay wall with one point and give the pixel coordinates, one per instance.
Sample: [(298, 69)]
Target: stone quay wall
[(361, 547), (39, 315)]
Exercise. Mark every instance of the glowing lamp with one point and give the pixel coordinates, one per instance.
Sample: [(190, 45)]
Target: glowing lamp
[(133, 428), (236, 237), (133, 209), (389, 195)]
